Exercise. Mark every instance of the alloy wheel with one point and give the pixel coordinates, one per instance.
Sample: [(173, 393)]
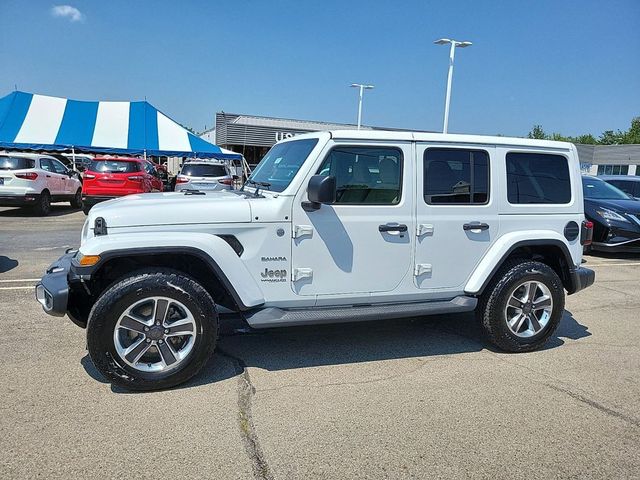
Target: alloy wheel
[(529, 309), (155, 334)]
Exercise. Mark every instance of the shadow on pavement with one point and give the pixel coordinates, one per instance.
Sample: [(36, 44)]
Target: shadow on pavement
[(25, 212), (7, 264), (321, 345)]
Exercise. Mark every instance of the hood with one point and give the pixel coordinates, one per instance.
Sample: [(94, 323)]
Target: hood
[(620, 206), (173, 208)]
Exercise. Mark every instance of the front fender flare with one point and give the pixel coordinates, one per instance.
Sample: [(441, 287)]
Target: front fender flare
[(213, 250)]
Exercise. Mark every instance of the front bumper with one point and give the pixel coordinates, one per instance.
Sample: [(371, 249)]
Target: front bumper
[(53, 289), (628, 246), (19, 200), (582, 278)]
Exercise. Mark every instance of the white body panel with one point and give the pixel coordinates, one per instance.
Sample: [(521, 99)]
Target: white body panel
[(335, 255)]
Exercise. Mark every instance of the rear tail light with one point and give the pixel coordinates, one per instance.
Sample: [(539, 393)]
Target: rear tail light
[(88, 175), (135, 178), (182, 179), (27, 176), (586, 233), (226, 181)]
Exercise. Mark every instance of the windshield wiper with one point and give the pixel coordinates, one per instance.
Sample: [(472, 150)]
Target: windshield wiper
[(257, 184)]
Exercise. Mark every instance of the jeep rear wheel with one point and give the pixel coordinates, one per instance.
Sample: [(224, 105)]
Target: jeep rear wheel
[(523, 308), (152, 330)]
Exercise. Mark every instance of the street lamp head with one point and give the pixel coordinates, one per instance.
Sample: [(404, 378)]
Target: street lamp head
[(368, 87), (355, 85), (442, 41), (463, 44)]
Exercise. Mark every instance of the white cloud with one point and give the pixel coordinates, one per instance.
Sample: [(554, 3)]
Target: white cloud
[(67, 11)]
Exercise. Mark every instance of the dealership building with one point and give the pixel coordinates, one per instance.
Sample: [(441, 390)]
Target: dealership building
[(253, 135)]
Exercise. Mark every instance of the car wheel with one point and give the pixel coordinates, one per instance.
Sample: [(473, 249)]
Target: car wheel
[(152, 330), (43, 205), (76, 202), (523, 307)]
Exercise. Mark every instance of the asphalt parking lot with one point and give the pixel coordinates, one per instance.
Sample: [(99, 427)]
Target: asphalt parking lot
[(419, 398)]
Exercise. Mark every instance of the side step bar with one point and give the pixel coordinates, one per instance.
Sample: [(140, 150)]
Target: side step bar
[(273, 316)]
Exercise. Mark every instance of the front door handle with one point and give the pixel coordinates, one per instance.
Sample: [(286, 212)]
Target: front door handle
[(475, 226), (392, 228)]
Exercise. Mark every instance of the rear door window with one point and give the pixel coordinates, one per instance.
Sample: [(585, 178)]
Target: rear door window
[(534, 178), (16, 163), (114, 166), (454, 176), (202, 170)]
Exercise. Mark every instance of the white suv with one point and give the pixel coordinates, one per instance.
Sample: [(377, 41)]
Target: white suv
[(204, 175), (331, 227), (35, 181)]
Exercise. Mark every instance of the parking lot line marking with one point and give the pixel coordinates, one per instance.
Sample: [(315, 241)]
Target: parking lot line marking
[(20, 280), (30, 287), (612, 264)]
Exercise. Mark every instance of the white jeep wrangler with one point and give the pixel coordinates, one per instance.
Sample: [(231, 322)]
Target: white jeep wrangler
[(331, 227)]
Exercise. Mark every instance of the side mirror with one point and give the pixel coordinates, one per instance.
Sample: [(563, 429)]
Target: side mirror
[(321, 189)]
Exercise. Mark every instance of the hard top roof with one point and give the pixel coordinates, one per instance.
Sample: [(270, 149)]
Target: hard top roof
[(408, 136)]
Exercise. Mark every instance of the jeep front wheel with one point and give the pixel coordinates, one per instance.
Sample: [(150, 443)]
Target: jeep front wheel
[(152, 330), (522, 309)]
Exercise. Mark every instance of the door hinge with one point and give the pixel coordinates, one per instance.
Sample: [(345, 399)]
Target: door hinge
[(424, 229), (300, 273), (422, 269), (302, 230)]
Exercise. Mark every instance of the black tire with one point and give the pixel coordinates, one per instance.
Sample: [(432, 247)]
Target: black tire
[(493, 303), (76, 201), (43, 204), (86, 208), (116, 300)]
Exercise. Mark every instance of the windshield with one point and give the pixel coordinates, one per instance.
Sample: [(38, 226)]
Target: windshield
[(201, 170), (114, 166), (281, 163), (16, 163), (596, 189)]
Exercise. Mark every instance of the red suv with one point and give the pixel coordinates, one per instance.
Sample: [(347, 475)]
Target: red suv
[(108, 178)]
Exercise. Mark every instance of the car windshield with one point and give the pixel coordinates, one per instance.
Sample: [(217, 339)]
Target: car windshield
[(281, 163), (203, 170), (114, 166), (596, 189), (16, 163)]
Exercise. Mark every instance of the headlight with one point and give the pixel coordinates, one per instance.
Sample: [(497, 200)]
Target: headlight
[(610, 215)]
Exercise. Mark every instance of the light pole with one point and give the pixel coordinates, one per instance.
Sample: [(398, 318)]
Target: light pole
[(362, 88), (452, 52)]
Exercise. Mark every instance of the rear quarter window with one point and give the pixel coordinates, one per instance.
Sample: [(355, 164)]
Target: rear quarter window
[(16, 163), (538, 178)]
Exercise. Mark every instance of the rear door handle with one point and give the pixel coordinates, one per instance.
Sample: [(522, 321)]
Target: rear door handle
[(392, 228), (475, 226), (48, 176)]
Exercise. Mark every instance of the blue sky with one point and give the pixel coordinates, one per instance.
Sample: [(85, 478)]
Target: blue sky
[(572, 66)]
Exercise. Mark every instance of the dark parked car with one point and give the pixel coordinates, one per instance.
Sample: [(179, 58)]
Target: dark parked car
[(615, 216), (629, 184)]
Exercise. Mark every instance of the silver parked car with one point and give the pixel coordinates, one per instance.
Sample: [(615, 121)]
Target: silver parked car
[(204, 175)]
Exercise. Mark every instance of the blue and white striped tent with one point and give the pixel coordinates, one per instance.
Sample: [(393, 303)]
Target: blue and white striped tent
[(38, 122)]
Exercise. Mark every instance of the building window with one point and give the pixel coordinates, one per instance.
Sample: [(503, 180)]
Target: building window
[(613, 169), (456, 176), (537, 178), (365, 175)]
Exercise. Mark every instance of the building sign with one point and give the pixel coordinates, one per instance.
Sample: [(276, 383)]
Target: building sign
[(283, 135)]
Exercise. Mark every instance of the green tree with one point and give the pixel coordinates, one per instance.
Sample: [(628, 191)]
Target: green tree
[(538, 133)]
